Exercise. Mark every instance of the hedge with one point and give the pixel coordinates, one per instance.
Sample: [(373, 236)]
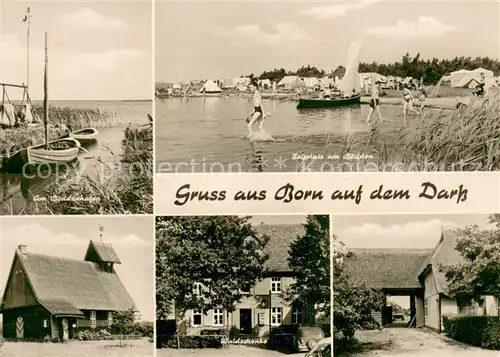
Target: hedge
[(191, 342), (480, 331)]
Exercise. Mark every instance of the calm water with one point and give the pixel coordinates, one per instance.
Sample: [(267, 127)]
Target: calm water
[(208, 134), (107, 150)]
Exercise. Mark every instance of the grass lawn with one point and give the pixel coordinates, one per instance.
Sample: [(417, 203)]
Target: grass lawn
[(136, 348), (404, 342)]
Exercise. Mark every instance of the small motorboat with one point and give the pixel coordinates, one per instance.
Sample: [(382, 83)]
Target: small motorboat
[(328, 103), (86, 137)]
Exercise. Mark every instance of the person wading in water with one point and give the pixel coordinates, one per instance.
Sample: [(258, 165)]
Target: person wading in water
[(258, 113), (375, 102), (408, 102)]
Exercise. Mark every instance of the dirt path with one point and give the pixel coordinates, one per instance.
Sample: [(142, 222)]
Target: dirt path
[(138, 348), (404, 342), (230, 351)]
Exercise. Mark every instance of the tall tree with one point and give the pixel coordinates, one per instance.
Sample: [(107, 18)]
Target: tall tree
[(479, 274), (309, 259), (353, 303), (224, 253)]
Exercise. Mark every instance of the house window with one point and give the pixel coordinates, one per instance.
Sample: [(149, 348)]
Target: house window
[(197, 289), (245, 289), (297, 315), (110, 318), (196, 317), (45, 323), (275, 285), (276, 316), (93, 320), (426, 308), (218, 317)]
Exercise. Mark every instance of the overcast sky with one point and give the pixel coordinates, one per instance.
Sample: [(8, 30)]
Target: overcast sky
[(231, 38), (97, 50), (68, 237), (398, 231)]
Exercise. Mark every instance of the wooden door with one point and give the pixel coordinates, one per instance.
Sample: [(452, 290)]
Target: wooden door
[(20, 327), (65, 329)]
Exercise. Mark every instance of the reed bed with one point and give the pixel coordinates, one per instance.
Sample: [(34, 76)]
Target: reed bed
[(126, 188), (463, 140), (77, 118), (60, 117)]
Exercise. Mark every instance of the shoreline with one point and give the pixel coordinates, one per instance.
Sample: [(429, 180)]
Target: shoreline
[(446, 103)]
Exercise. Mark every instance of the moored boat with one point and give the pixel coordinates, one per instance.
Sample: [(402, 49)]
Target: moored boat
[(350, 83), (328, 103), (39, 157), (87, 136), (35, 158)]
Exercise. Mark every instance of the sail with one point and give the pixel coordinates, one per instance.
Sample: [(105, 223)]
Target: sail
[(351, 81)]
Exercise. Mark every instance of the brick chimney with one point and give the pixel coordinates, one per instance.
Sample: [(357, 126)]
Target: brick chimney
[(22, 249)]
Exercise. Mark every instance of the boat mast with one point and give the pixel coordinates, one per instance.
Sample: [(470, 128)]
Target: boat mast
[(45, 96), (27, 19)]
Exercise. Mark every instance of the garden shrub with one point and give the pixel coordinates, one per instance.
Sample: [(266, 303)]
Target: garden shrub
[(191, 342), (480, 331)]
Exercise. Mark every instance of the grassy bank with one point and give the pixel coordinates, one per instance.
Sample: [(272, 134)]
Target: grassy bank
[(124, 188), (439, 140)]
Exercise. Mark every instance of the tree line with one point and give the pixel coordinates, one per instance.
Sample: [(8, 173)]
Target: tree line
[(229, 251), (431, 70)]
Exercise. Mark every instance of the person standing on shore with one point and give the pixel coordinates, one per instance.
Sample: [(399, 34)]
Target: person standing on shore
[(375, 102), (257, 114)]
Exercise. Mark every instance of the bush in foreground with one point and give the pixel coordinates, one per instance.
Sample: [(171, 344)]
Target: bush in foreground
[(480, 331), (191, 342)]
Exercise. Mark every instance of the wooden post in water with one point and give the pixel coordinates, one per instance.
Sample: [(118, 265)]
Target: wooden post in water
[(45, 97)]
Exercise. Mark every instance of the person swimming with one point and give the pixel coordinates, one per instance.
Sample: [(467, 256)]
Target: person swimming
[(375, 102)]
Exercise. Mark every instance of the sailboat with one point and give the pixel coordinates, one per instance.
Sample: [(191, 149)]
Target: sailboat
[(350, 84), (60, 151)]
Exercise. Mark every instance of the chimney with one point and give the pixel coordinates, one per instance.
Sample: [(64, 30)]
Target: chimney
[(22, 249)]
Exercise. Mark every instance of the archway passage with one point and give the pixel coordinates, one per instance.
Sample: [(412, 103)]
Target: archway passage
[(395, 272)]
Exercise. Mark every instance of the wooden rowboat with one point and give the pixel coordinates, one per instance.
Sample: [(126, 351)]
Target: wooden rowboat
[(86, 136), (328, 103), (27, 160)]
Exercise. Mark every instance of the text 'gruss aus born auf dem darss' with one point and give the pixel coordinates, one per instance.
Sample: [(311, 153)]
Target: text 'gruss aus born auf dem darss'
[(289, 193)]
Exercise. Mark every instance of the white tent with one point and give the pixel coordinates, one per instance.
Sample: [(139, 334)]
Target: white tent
[(243, 81), (467, 82), (310, 81), (265, 82), (228, 83), (466, 79), (210, 87), (291, 82), (462, 77)]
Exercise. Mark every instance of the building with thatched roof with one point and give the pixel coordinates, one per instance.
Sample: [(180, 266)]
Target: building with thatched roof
[(263, 304), (416, 273), (53, 297)]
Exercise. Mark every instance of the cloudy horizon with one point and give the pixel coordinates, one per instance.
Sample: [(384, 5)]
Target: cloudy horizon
[(96, 51), (264, 36)]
